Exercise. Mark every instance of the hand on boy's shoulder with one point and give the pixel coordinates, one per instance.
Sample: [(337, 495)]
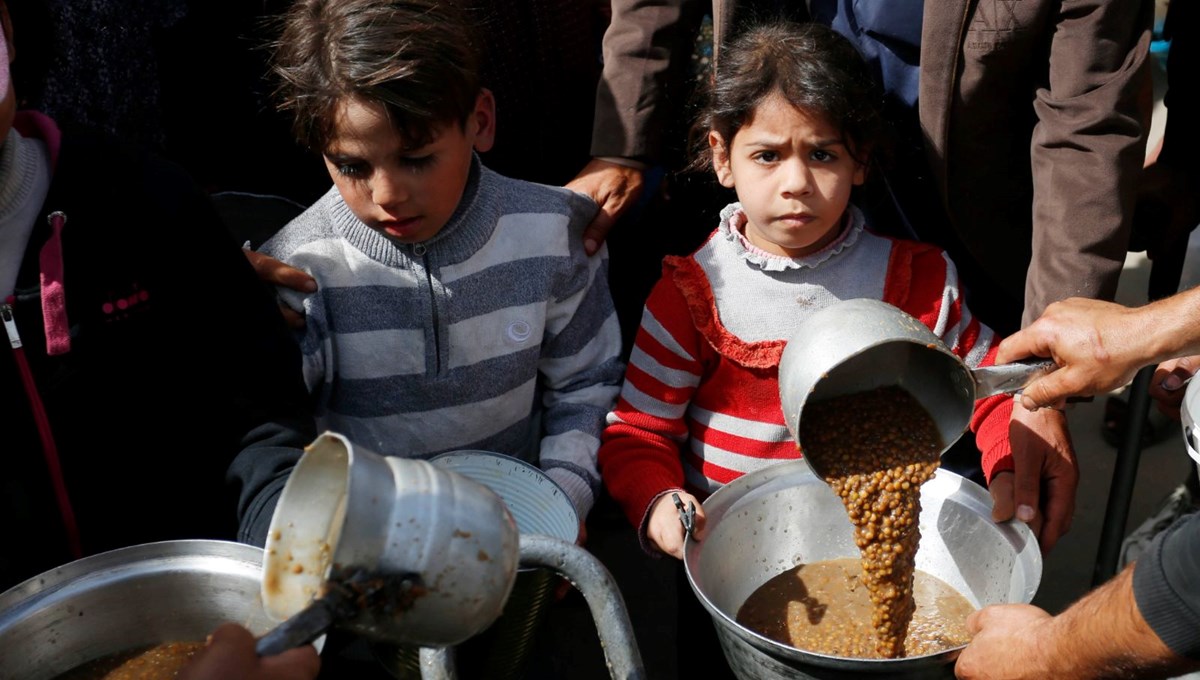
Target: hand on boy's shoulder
[(277, 273), (615, 188)]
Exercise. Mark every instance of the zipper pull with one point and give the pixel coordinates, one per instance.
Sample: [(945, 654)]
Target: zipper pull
[(10, 325)]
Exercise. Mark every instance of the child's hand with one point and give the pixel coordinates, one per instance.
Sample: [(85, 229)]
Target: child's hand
[(665, 530)]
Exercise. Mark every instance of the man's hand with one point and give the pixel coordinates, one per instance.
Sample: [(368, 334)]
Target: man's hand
[(615, 188), (276, 273), (230, 655), (1166, 387), (1041, 489), (1098, 346), (664, 529), (1005, 645)]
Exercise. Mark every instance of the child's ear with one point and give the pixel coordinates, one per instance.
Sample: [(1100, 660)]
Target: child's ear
[(861, 168), (483, 118), (720, 159)]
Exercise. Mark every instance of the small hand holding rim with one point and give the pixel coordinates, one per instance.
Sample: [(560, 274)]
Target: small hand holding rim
[(687, 516)]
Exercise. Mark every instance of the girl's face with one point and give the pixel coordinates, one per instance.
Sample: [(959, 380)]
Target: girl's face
[(792, 174), (406, 193)]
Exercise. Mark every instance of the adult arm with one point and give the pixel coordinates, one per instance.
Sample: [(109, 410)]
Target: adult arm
[(1103, 635), (275, 273), (640, 453), (1100, 345), (641, 62), (230, 655), (1027, 458), (1088, 149)]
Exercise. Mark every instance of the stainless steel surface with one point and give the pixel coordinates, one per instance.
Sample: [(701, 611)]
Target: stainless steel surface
[(396, 518), (858, 345), (537, 502), (1008, 378), (604, 599), (539, 506), (769, 521), (125, 599), (311, 623), (1188, 412), (861, 344)]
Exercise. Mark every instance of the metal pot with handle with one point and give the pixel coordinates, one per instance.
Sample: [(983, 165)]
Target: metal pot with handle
[(861, 344), (392, 549)]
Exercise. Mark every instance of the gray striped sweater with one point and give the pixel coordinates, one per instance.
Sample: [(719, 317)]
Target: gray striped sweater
[(497, 334)]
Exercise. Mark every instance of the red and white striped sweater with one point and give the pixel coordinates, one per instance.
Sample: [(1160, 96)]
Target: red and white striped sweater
[(700, 404)]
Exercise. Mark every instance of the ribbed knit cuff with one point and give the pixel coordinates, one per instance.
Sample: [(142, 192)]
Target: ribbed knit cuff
[(576, 488), (993, 440)]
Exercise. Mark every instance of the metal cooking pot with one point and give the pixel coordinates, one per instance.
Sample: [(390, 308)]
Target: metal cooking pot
[(769, 521), (125, 599), (1188, 412), (394, 518), (861, 344)]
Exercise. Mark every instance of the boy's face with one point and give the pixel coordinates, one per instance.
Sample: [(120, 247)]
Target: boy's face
[(408, 194)]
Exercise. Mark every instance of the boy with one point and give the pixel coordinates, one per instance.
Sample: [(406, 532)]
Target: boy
[(456, 309)]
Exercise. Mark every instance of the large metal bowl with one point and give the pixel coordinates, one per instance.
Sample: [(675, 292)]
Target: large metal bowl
[(769, 521), (127, 598)]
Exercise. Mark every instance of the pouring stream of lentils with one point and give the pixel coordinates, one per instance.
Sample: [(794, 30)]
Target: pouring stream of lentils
[(878, 447)]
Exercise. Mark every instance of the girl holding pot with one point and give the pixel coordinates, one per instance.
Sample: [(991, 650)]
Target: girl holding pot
[(792, 125)]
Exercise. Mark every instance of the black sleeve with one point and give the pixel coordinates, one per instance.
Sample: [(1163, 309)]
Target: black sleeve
[(1166, 585), (262, 405)]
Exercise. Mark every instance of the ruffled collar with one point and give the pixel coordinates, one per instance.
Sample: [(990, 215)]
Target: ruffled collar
[(733, 220)]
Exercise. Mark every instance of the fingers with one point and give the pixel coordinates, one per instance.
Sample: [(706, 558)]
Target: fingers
[(664, 529), (1050, 391), (277, 273), (1170, 379), (1022, 344), (1001, 488), (615, 188), (301, 663), (698, 529), (230, 655), (976, 619), (601, 224), (669, 540), (1060, 510), (293, 318)]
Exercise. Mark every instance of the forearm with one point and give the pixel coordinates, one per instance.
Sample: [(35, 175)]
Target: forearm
[(1170, 327), (637, 467), (1104, 635)]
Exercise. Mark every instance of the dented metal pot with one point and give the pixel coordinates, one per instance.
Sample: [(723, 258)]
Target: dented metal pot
[(449, 541)]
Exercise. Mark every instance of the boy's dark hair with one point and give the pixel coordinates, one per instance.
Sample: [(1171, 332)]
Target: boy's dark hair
[(810, 65), (416, 57)]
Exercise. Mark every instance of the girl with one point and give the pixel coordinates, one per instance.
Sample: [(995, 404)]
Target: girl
[(791, 122)]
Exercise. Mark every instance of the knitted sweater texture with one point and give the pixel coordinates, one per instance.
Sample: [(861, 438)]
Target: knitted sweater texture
[(700, 405), (496, 334)]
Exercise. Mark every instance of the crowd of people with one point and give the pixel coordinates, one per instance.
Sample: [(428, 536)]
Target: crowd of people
[(449, 286)]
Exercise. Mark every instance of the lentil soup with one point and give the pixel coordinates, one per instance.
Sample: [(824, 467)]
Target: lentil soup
[(824, 608), (879, 447), (160, 662)]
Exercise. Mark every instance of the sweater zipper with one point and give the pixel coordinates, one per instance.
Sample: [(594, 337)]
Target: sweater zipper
[(49, 448), (420, 251)]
